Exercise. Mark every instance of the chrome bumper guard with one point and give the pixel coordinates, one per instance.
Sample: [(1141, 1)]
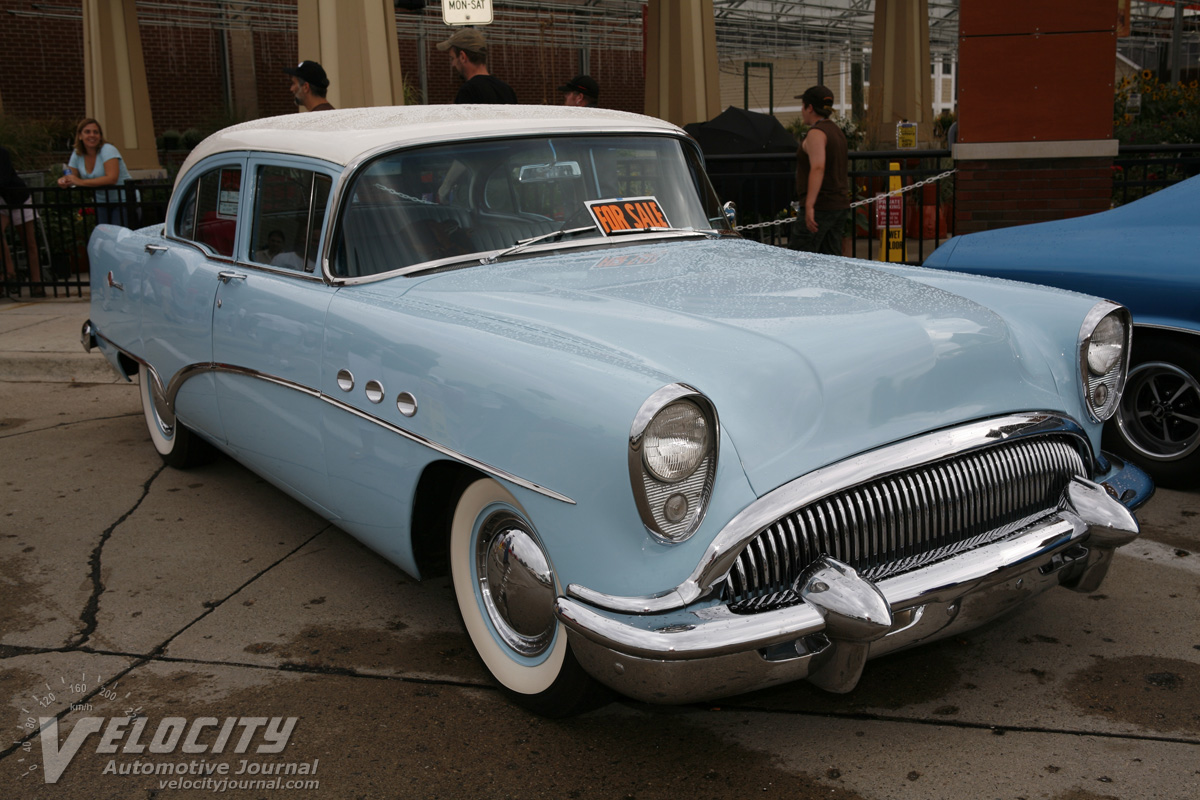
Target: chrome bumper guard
[(706, 651)]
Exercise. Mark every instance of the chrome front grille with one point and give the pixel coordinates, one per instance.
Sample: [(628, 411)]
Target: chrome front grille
[(908, 519)]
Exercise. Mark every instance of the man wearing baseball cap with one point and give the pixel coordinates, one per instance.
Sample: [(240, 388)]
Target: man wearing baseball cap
[(822, 177), (582, 90), (468, 58), (309, 85)]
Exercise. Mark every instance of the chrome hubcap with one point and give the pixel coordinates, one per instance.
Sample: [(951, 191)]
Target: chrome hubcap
[(163, 412), (516, 583), (1160, 411)]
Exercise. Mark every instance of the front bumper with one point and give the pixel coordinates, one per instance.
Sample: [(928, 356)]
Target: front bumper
[(705, 651)]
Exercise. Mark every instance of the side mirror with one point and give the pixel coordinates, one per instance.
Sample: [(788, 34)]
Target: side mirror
[(730, 213)]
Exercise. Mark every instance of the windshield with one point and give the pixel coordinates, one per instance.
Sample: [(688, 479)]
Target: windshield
[(465, 199)]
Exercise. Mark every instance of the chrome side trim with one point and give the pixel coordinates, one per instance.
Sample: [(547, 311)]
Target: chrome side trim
[(727, 545), (191, 370)]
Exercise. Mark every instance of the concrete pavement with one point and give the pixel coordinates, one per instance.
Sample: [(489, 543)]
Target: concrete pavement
[(207, 594), (39, 341)]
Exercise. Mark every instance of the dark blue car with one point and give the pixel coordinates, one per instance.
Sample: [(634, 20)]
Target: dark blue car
[(1146, 256)]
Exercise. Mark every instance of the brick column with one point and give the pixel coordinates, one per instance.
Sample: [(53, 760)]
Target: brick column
[(1035, 111)]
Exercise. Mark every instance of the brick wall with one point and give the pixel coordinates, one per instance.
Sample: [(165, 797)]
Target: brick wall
[(41, 58), (1002, 193), (534, 75), (42, 64)]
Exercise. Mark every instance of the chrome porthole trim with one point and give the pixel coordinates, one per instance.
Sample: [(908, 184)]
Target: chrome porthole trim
[(191, 370), (374, 392), (345, 380), (720, 556), (515, 583), (406, 404)]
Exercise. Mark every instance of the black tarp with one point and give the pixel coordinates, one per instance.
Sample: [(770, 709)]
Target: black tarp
[(736, 131)]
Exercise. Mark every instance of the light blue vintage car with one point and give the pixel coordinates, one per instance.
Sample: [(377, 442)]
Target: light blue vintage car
[(524, 345), (1146, 256)]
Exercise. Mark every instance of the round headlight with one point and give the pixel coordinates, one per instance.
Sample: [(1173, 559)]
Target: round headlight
[(1105, 345), (676, 441)]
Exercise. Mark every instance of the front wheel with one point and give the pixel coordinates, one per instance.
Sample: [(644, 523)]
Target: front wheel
[(178, 446), (505, 588), (1157, 425)]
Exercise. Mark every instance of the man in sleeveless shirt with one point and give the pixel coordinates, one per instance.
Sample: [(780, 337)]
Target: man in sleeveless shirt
[(822, 177)]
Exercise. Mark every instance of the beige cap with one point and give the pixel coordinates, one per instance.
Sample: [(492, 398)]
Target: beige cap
[(465, 39)]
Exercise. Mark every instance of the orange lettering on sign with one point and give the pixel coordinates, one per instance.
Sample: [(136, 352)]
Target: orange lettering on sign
[(612, 219)]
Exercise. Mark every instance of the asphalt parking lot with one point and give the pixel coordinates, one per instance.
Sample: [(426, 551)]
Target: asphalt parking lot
[(138, 602)]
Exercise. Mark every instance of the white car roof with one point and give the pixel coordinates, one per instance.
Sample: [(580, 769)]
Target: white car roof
[(344, 135)]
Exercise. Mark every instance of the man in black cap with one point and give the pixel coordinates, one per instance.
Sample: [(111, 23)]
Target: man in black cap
[(822, 177), (309, 85), (582, 90), (468, 58)]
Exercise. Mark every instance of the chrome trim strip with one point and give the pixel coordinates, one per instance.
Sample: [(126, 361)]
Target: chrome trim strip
[(720, 556), (191, 370)]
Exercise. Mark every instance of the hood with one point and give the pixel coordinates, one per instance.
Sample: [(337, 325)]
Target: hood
[(808, 359)]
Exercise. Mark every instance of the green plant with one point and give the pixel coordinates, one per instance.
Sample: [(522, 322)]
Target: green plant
[(854, 132), (1147, 111), (191, 137), (36, 143), (170, 140)]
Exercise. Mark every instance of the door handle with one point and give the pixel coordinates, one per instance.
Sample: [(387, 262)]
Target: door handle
[(155, 248), (227, 276)]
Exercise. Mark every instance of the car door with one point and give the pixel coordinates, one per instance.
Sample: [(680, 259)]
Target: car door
[(180, 282), (268, 327)]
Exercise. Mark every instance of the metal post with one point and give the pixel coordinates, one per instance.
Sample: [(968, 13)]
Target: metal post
[(1177, 44)]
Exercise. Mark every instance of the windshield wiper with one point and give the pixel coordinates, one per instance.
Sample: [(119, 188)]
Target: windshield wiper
[(697, 231), (521, 245)]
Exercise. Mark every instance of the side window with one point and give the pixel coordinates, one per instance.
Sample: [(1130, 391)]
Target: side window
[(288, 212), (209, 215)]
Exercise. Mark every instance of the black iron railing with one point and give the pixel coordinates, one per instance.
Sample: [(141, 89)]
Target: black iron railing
[(763, 188), (1141, 169), (47, 256)]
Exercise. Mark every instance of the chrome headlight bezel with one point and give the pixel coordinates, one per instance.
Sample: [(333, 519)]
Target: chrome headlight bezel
[(673, 508), (1105, 340)]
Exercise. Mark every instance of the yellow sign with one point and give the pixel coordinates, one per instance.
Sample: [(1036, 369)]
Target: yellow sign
[(906, 135), (890, 223), (891, 246)]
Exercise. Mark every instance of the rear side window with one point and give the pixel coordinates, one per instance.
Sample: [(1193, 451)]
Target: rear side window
[(209, 214), (288, 212)]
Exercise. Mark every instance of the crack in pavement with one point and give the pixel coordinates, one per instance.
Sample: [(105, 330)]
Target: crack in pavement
[(66, 424), (92, 607)]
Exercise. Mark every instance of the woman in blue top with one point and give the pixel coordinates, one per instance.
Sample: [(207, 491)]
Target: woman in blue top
[(96, 163)]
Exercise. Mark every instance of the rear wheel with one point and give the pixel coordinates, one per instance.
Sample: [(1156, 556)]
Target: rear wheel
[(1157, 425), (178, 446), (505, 588)]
